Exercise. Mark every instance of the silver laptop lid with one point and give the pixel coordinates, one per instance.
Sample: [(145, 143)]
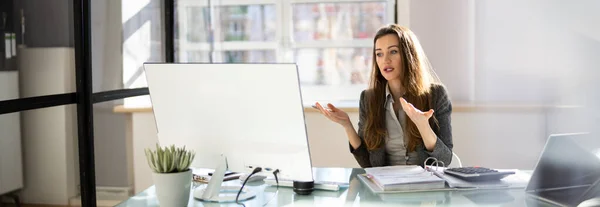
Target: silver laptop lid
[(568, 170)]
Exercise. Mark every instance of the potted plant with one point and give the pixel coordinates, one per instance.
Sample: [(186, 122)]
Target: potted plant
[(171, 173)]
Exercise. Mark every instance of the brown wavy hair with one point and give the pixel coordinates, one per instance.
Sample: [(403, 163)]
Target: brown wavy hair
[(417, 80)]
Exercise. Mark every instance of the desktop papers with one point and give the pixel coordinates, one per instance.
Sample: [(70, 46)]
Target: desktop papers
[(404, 178)]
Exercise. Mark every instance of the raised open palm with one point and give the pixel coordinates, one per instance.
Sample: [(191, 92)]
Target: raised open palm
[(416, 115), (334, 114)]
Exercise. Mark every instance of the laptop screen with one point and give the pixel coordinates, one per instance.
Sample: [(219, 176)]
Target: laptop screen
[(568, 169)]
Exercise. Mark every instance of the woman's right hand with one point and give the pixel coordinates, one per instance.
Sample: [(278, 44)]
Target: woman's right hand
[(334, 114)]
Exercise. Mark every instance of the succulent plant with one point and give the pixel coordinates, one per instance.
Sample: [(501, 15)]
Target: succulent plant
[(169, 159)]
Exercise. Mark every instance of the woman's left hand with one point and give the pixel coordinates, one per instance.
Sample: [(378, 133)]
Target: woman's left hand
[(417, 116), (421, 119)]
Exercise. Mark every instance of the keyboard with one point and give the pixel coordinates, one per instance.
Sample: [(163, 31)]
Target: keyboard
[(477, 173), (319, 185)]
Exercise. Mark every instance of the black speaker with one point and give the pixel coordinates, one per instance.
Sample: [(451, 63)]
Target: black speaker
[(304, 188)]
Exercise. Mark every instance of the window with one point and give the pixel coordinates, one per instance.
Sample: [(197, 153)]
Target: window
[(142, 42), (331, 42), (244, 31)]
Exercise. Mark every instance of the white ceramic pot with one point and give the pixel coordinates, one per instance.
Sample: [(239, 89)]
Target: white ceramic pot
[(173, 189)]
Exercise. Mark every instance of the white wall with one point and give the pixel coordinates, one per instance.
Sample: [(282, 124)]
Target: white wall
[(502, 139), (328, 143), (444, 30), (523, 47), (11, 166), (49, 134), (143, 135), (516, 52)]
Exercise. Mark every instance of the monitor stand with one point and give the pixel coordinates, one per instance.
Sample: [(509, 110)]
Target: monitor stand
[(214, 192)]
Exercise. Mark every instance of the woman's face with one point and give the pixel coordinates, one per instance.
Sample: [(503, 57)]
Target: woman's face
[(387, 55)]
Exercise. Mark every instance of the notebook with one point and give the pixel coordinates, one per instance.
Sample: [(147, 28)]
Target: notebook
[(396, 179), (403, 178)]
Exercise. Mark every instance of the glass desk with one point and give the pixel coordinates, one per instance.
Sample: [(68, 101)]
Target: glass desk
[(356, 194)]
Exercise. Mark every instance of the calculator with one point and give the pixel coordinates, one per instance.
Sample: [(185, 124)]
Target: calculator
[(477, 173)]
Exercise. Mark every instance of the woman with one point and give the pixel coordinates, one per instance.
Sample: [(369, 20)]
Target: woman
[(404, 116)]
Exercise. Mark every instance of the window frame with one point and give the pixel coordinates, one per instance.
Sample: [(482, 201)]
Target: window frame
[(283, 45), (219, 46)]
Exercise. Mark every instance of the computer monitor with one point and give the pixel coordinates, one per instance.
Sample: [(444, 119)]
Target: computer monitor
[(250, 114), (568, 170)]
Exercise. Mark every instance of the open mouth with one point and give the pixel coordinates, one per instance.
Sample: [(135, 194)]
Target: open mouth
[(388, 69)]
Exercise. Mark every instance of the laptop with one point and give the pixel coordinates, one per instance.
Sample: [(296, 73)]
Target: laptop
[(568, 170)]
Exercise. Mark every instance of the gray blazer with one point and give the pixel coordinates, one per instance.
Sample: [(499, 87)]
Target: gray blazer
[(443, 148)]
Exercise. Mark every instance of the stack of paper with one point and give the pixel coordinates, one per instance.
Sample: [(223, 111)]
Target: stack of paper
[(404, 178)]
